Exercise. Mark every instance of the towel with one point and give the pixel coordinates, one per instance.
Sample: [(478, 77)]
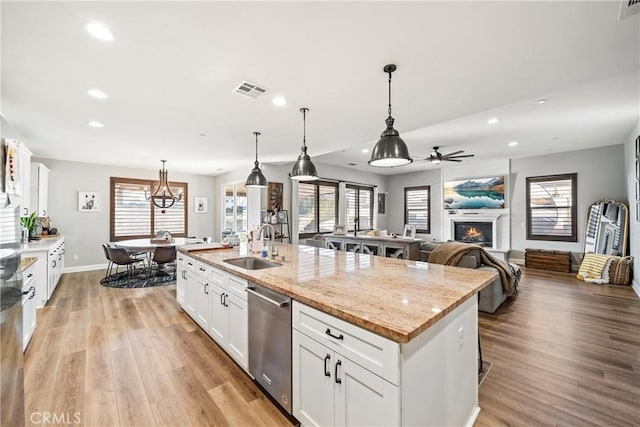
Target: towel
[(595, 268)]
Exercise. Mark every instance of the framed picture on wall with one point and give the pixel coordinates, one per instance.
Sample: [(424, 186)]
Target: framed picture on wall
[(201, 205), (381, 203), (88, 201)]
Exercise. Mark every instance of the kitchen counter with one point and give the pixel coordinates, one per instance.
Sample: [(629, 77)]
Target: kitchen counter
[(44, 244), (397, 299)]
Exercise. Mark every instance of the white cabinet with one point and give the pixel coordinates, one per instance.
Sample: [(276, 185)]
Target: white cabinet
[(217, 301), (330, 383), (181, 279), (229, 315), (39, 188), (24, 173), (28, 305), (50, 252)]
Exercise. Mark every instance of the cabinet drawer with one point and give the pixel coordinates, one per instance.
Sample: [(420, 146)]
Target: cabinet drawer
[(373, 352), (203, 269), (190, 263), (237, 286)]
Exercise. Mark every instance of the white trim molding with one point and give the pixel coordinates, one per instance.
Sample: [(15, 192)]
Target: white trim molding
[(80, 268), (477, 217)]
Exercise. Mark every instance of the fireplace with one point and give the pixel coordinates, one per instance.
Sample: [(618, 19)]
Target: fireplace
[(474, 232)]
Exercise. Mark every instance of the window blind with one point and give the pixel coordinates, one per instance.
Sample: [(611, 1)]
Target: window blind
[(133, 216), (551, 213), (317, 207), (359, 201), (417, 201)]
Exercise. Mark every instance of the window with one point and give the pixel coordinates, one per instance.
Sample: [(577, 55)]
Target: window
[(133, 216), (551, 208), (417, 201), (317, 207), (359, 201), (235, 208)]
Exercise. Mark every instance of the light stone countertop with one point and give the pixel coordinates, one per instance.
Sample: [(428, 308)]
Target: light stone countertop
[(397, 299), (44, 244)]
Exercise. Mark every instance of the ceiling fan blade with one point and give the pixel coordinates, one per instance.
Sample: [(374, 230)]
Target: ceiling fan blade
[(454, 153), (458, 156), (452, 160)]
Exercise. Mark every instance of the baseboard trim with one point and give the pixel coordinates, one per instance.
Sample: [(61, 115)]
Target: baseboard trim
[(81, 268), (636, 287)]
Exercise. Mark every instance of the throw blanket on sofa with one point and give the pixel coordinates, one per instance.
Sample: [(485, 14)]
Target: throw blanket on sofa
[(451, 253), (595, 268)]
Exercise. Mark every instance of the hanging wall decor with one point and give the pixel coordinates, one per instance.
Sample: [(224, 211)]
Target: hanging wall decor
[(274, 194)]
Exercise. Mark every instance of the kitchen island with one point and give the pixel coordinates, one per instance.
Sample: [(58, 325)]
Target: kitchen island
[(394, 341)]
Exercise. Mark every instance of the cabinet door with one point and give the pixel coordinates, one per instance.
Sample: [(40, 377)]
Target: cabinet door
[(51, 274), (219, 326), (363, 398), (192, 295), (202, 303), (181, 284), (333, 244), (312, 381), (352, 246), (238, 328)]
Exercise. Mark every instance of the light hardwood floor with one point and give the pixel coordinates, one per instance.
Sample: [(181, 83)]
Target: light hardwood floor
[(563, 353)]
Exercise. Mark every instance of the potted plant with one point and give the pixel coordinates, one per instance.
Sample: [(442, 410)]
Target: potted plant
[(29, 222)]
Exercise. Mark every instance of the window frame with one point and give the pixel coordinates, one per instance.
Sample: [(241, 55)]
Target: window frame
[(358, 188), (406, 212), (317, 184), (235, 185), (573, 178), (152, 184)]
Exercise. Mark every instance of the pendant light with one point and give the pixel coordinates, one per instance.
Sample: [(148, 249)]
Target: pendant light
[(162, 196), (256, 179), (390, 150), (303, 169)]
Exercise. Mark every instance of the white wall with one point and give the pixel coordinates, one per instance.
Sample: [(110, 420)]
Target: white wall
[(600, 174), (634, 225), (86, 231)]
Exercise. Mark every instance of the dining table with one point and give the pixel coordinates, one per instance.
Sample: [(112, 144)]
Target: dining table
[(149, 245)]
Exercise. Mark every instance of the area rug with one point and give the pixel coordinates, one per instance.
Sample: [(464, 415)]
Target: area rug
[(141, 278), (486, 367)]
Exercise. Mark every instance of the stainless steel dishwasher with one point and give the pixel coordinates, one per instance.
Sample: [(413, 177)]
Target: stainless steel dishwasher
[(270, 342)]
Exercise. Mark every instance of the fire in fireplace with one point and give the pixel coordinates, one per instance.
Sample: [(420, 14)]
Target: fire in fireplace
[(474, 232)]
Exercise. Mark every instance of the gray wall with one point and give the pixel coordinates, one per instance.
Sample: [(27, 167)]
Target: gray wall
[(86, 231), (280, 173), (634, 224), (600, 174), (395, 200)]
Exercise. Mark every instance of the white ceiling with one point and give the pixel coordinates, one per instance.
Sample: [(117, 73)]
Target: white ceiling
[(171, 70)]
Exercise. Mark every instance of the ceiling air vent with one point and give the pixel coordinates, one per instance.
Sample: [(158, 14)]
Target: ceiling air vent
[(628, 8), (249, 90)]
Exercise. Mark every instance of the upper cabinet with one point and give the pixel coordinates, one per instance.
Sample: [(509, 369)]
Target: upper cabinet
[(39, 188), (24, 174)]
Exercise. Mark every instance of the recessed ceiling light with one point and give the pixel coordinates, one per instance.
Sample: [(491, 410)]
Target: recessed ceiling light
[(513, 143), (99, 31), (555, 138), (203, 134), (279, 101), (95, 124), (97, 94), (493, 120), (542, 101), (365, 150), (352, 164)]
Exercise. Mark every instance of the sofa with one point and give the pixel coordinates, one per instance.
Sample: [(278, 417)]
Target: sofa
[(493, 295)]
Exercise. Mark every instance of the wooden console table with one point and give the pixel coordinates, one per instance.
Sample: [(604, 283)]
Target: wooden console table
[(375, 245)]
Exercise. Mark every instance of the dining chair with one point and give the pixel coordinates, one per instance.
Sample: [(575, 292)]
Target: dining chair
[(106, 254), (120, 256), (162, 255)]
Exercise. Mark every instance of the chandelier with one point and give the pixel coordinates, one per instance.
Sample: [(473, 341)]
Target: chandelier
[(162, 196)]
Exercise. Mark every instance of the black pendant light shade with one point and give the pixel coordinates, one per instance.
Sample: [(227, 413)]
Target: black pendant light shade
[(256, 179), (390, 150), (303, 168)]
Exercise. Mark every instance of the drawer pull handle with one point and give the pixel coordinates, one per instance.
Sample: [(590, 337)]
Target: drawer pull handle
[(201, 268), (327, 373), (206, 286), (33, 292), (226, 299), (339, 337), (222, 298), (30, 275), (338, 380)]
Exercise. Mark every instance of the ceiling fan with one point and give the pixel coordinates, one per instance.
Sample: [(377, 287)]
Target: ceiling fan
[(437, 157)]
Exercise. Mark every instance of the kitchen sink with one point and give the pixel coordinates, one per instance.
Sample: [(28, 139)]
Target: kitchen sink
[(251, 263)]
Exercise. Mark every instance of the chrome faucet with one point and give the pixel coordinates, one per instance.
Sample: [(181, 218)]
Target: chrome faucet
[(271, 240)]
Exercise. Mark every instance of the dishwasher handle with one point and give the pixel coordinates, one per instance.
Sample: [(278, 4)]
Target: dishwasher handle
[(279, 304)]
